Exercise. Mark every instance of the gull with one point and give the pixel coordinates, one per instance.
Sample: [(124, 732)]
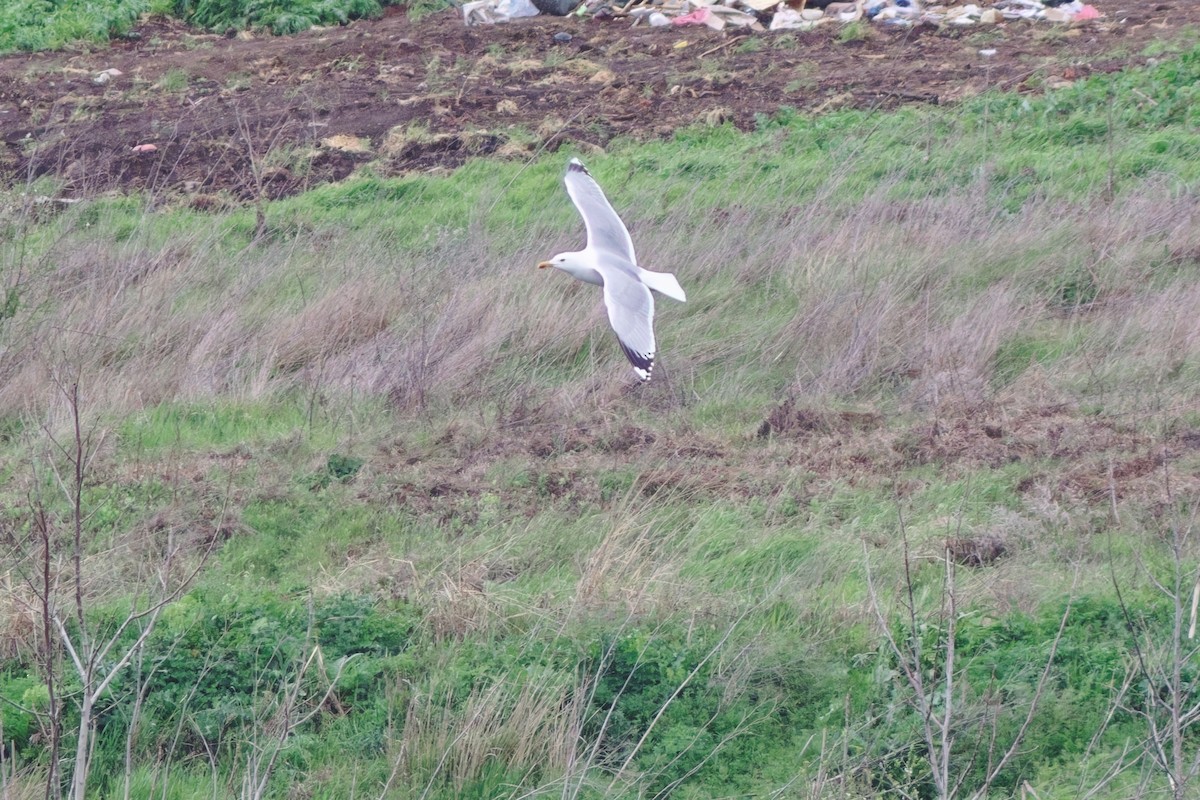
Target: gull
[(609, 261)]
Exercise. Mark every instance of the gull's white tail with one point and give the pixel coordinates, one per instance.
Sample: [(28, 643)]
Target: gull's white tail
[(663, 283)]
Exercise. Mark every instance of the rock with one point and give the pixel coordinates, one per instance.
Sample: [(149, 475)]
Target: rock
[(562, 37), (990, 17)]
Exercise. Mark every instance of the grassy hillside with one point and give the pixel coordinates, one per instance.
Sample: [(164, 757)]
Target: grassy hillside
[(37, 25), (908, 510)]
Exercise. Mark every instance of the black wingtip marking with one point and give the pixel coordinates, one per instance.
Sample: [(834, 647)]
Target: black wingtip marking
[(577, 166), (641, 362)]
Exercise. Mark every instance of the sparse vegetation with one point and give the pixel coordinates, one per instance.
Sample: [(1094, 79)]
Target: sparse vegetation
[(33, 25), (277, 17), (907, 511)]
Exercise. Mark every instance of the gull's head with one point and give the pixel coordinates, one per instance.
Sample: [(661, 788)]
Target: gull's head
[(558, 262), (580, 264), (564, 261)]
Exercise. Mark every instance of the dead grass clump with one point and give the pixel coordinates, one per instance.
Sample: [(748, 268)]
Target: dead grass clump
[(350, 314), (628, 570), (976, 551), (409, 141), (402, 140), (460, 606), (791, 419), (528, 722), (958, 355)]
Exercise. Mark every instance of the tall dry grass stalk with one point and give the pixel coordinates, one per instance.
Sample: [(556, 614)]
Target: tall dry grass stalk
[(629, 570), (523, 726)]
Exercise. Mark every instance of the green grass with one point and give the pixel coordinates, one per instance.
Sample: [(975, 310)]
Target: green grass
[(416, 461), (33, 25), (37, 25)]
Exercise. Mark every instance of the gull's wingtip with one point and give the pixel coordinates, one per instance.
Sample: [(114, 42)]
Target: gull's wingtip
[(575, 165), (643, 363)]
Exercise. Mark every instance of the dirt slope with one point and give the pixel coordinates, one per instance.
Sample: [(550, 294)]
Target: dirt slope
[(309, 108)]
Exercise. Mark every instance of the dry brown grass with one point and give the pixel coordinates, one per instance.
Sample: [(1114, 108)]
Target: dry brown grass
[(522, 724), (916, 296)]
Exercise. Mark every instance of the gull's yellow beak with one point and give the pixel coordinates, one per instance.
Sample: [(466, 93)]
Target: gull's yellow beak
[(545, 264)]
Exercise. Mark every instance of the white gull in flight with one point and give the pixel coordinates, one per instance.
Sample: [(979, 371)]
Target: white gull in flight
[(609, 261)]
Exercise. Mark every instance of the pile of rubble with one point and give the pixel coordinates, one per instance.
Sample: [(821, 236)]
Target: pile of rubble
[(787, 14)]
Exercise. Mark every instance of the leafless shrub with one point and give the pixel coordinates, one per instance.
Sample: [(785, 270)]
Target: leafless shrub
[(948, 726), (1161, 660)]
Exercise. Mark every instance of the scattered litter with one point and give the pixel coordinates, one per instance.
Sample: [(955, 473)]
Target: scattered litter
[(736, 18), (782, 15), (790, 19), (701, 16), (556, 8), (145, 148), (489, 12), (107, 75)]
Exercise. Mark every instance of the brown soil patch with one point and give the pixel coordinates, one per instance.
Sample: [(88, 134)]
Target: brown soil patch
[(273, 116)]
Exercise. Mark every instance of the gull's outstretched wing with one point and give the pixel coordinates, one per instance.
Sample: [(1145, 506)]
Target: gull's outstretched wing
[(606, 232), (631, 313)]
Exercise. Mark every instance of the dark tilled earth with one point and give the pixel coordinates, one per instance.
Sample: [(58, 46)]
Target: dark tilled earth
[(248, 117)]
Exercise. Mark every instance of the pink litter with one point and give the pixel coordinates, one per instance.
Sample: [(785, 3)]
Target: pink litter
[(700, 16)]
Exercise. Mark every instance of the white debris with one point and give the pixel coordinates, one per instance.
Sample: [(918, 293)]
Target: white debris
[(107, 75), (752, 13), (489, 12)]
